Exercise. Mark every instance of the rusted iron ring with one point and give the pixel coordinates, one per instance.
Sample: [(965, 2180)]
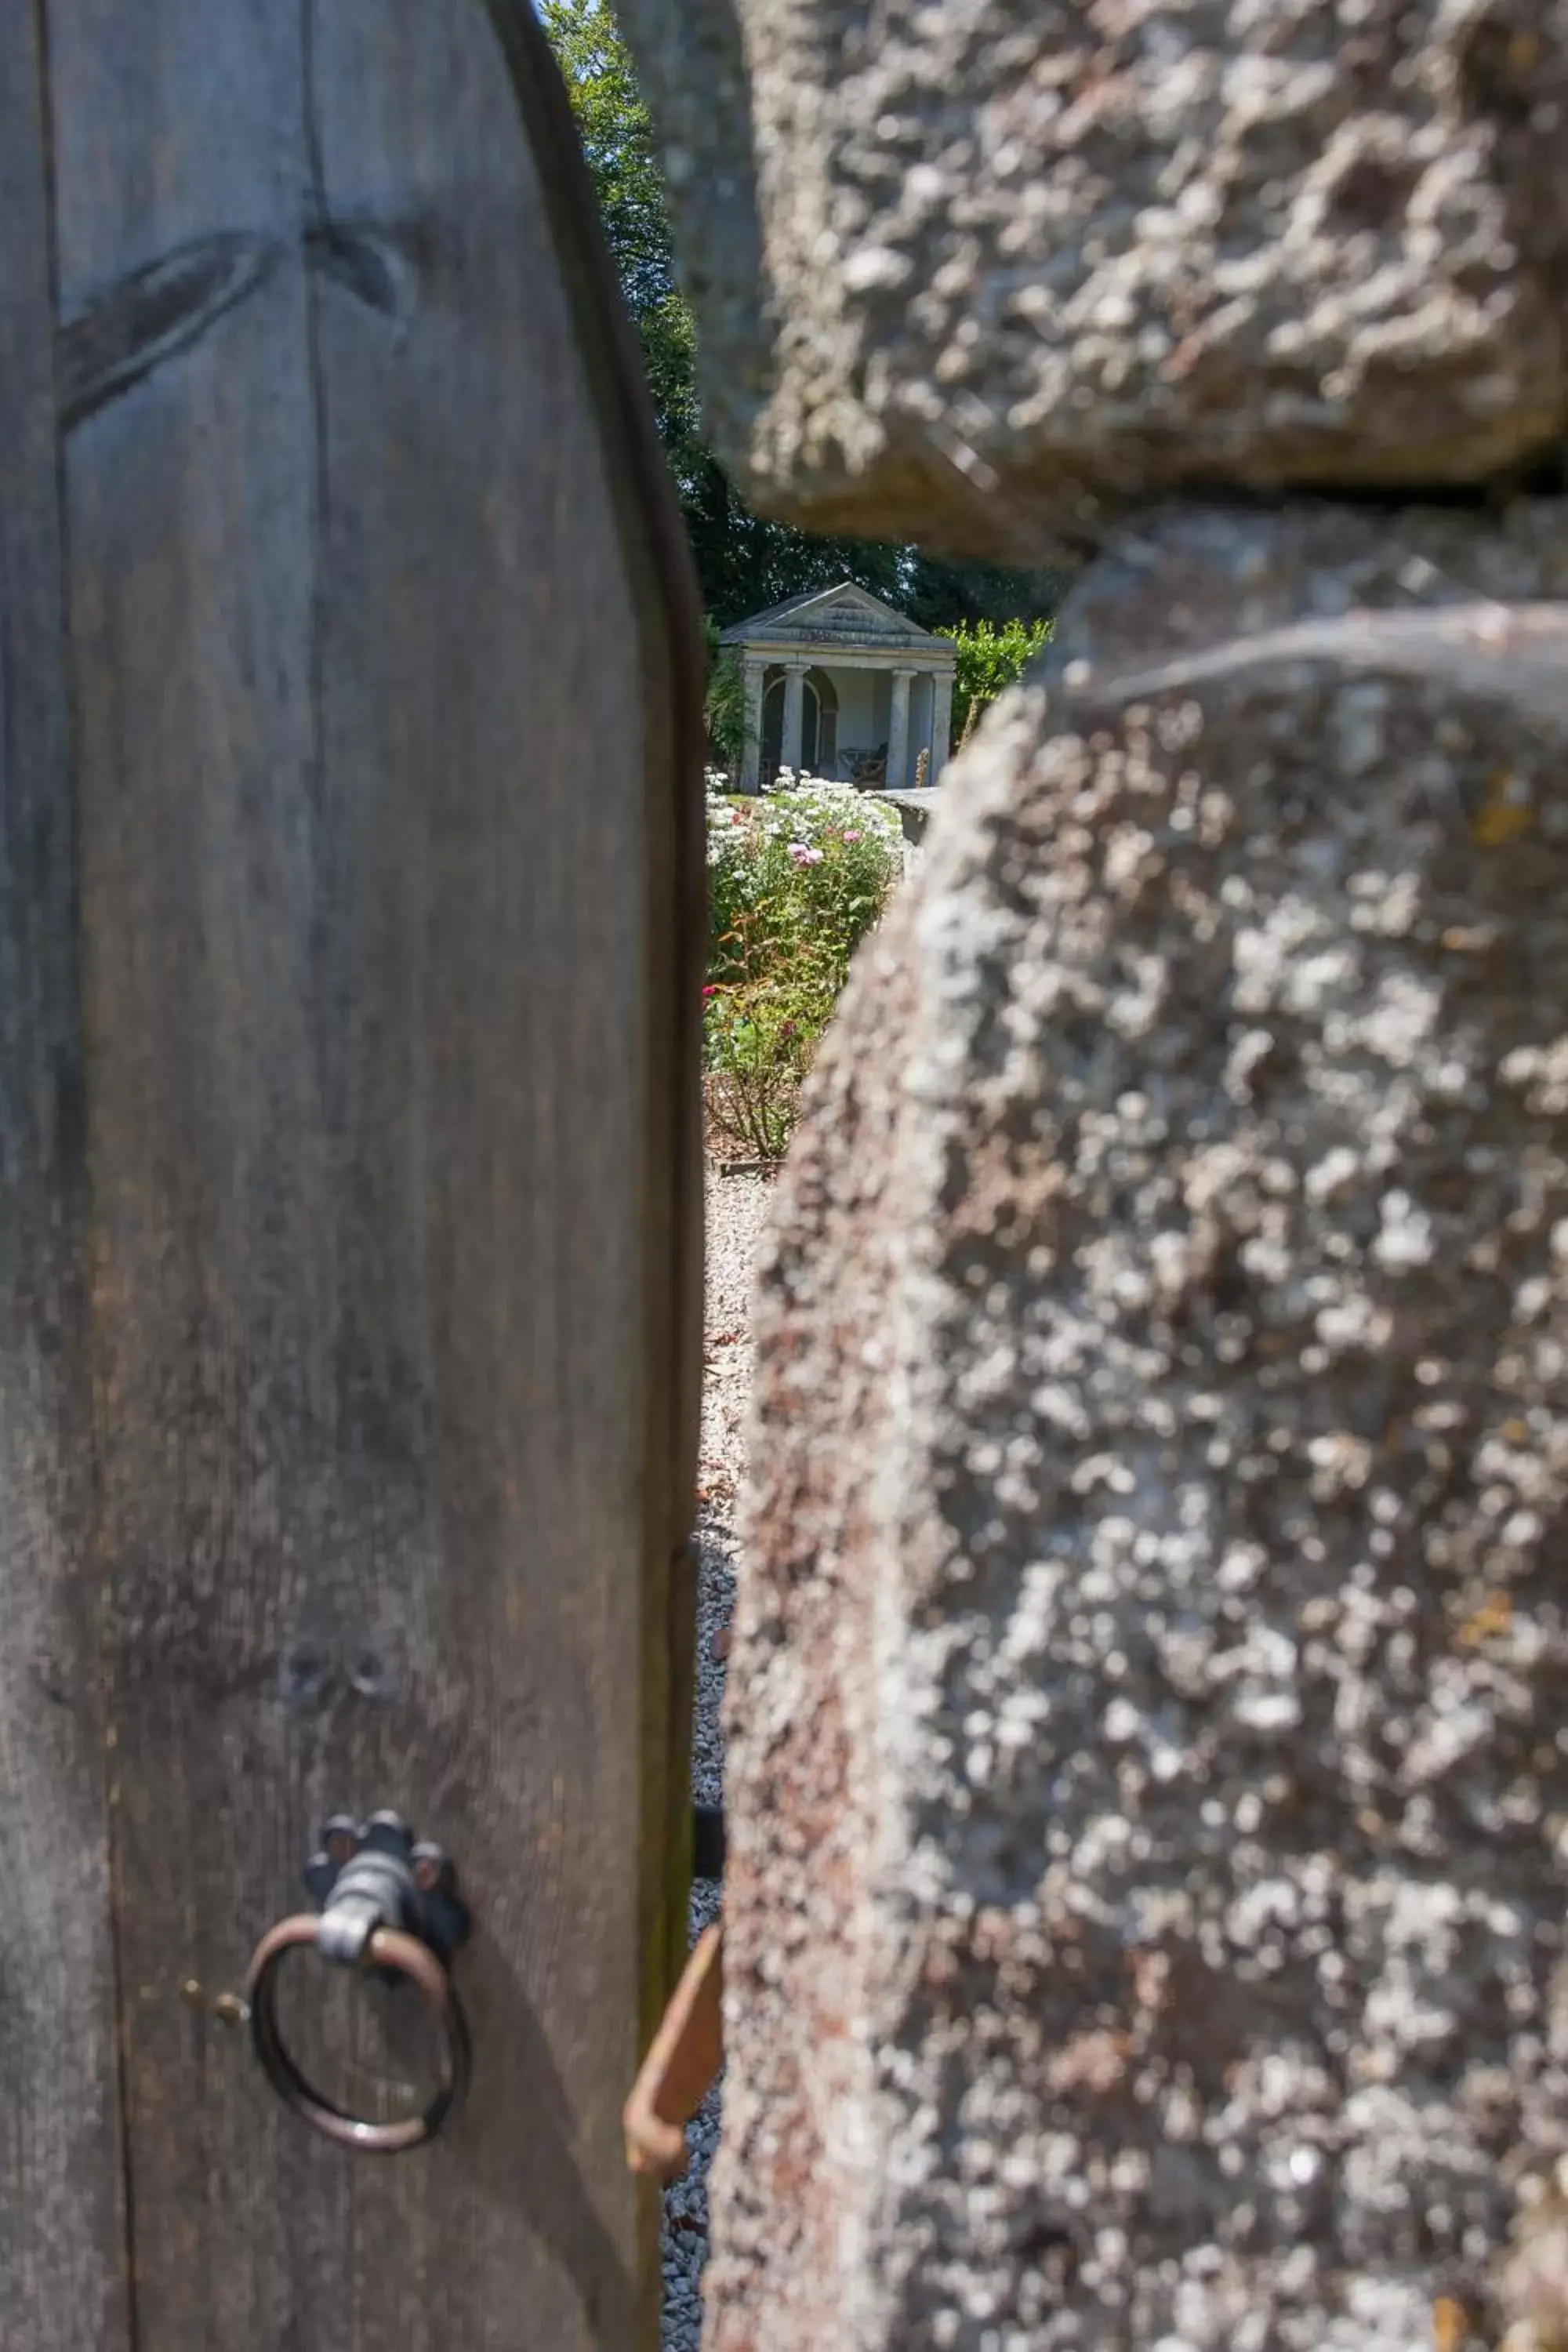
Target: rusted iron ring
[(387, 1949)]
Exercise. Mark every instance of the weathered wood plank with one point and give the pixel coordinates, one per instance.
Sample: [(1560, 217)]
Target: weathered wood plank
[(381, 693), (61, 2262)]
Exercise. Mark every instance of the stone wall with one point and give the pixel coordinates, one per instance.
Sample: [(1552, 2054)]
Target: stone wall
[(975, 272), (1149, 1787), (1146, 1888)]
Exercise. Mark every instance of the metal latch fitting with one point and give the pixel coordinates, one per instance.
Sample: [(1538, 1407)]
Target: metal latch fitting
[(681, 2065), (389, 1907)]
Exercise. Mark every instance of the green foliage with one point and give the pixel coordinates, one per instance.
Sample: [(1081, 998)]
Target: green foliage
[(796, 876), (744, 562), (724, 709), (617, 142), (941, 595), (991, 655), (758, 1044), (796, 881)]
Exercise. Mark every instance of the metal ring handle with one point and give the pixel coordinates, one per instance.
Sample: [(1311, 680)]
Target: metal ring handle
[(388, 1947)]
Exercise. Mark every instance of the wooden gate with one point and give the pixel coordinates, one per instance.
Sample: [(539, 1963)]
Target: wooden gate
[(350, 890)]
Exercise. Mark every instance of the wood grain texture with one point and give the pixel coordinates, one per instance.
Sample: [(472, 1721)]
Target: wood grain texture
[(676, 882), (61, 2253), (386, 696)]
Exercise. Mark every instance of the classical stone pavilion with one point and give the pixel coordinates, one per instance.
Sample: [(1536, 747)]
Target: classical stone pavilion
[(840, 685)]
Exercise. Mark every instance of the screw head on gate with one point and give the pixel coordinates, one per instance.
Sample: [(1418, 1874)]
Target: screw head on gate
[(340, 1839), (432, 1872)]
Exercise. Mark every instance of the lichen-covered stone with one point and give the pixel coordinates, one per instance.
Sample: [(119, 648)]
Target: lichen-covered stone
[(1148, 1777), (964, 272)]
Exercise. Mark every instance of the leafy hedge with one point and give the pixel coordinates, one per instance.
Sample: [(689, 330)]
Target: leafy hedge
[(991, 655), (795, 880)]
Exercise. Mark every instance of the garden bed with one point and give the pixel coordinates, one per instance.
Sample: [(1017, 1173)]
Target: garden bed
[(796, 878)]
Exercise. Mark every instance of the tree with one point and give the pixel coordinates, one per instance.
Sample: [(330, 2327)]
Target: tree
[(745, 562), (990, 656), (617, 142)]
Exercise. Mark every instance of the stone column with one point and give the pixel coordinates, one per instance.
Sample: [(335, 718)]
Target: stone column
[(751, 756), (899, 732), (941, 721), (793, 713)]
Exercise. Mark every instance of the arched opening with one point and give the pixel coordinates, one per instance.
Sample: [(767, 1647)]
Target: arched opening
[(819, 724)]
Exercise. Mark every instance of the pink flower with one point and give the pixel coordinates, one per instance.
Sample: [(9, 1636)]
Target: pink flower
[(853, 836), (713, 990), (802, 856)]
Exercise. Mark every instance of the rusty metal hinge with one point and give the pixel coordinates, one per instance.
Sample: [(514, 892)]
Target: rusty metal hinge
[(679, 2069)]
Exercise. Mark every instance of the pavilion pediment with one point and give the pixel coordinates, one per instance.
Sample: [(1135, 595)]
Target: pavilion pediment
[(845, 616)]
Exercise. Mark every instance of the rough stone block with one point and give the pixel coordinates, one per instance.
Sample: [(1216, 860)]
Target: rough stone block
[(1148, 1788), (964, 272)]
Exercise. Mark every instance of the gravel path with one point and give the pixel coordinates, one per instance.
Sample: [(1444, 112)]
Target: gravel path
[(736, 1208)]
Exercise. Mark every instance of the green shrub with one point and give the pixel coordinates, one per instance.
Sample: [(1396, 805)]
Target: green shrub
[(759, 1044), (796, 881), (724, 704), (991, 656)]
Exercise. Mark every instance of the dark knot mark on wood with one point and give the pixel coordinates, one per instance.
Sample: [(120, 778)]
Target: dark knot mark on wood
[(155, 313), (369, 265), (152, 315)]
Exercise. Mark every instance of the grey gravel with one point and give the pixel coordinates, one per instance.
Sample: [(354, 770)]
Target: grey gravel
[(737, 1206)]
